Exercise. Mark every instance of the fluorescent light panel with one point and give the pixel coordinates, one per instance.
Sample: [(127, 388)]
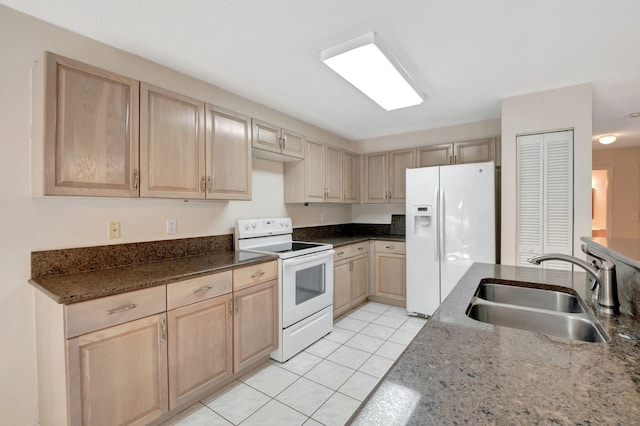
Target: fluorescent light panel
[(364, 63)]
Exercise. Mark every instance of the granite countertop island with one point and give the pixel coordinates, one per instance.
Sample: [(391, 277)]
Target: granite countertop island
[(461, 371)]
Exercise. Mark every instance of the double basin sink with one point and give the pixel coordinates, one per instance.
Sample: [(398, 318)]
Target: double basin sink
[(526, 306)]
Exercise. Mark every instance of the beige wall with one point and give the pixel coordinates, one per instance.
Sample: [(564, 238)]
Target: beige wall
[(30, 223), (551, 110), (624, 180)]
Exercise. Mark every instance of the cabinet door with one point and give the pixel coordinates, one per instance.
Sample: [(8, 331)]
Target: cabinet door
[(265, 136), (90, 130), (359, 279), (435, 155), (351, 177), (119, 375), (341, 287), (333, 174), (376, 178), (476, 151), (228, 155), (399, 162), (171, 144), (314, 166), (390, 276), (255, 328), (200, 347), (293, 143)]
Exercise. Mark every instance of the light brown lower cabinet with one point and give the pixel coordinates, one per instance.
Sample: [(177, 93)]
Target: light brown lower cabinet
[(200, 347), (350, 277), (390, 273), (255, 327), (119, 375), (134, 362)]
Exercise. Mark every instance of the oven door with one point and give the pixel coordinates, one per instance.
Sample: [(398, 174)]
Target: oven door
[(307, 286)]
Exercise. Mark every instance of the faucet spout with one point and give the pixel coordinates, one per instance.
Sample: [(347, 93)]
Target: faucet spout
[(604, 275), (595, 273)]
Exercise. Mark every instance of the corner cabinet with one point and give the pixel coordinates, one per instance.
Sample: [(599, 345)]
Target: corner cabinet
[(350, 177), (89, 128), (475, 151), (385, 175), (317, 178)]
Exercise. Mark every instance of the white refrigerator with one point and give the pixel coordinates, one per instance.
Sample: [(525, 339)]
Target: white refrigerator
[(450, 224)]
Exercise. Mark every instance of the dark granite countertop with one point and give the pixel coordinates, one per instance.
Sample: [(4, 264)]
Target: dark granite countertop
[(461, 371), (77, 287)]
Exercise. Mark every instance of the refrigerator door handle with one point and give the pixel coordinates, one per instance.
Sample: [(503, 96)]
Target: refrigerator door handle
[(443, 225), (436, 238)]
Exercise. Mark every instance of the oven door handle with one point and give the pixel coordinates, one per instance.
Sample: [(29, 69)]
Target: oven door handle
[(309, 258)]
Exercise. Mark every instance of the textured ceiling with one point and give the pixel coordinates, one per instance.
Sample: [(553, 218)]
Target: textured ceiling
[(464, 55)]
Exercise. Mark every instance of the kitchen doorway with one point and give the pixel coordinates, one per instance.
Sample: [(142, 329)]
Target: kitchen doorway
[(600, 202)]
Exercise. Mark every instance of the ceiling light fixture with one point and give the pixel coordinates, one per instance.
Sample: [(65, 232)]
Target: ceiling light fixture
[(369, 66), (606, 140)]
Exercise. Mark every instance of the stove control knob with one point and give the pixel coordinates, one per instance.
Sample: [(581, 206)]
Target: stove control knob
[(254, 225), (282, 223), (246, 226)]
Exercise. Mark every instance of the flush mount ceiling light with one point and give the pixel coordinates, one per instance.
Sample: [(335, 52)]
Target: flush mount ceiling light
[(369, 66), (606, 140)]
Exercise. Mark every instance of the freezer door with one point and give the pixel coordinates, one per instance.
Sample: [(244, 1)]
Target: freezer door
[(467, 204), (423, 271)]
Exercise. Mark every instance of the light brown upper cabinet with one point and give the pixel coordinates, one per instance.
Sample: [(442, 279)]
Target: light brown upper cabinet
[(350, 177), (228, 151), (89, 128), (475, 151), (275, 143), (317, 178), (385, 175), (172, 161), (192, 150)]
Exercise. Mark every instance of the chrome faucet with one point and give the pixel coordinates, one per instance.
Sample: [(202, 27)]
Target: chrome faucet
[(603, 274)]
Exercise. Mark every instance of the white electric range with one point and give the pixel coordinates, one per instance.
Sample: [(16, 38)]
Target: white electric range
[(305, 281)]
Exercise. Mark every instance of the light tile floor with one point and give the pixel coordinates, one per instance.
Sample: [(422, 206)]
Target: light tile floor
[(323, 385)]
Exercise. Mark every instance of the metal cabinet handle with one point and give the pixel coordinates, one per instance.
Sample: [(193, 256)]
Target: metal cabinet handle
[(284, 142), (123, 308), (163, 328), (136, 178), (455, 159), (257, 274), (203, 184), (237, 305), (360, 248), (209, 184), (340, 253), (205, 288), (389, 247), (230, 306)]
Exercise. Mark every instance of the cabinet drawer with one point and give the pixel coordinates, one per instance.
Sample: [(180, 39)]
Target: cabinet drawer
[(251, 275), (359, 248), (92, 315), (390, 247), (194, 290), (342, 252)]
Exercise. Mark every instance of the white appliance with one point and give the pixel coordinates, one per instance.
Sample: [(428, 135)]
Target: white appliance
[(450, 223), (305, 281)]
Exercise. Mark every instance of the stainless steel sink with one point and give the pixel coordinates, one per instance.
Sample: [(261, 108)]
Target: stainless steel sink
[(547, 311), (530, 297)]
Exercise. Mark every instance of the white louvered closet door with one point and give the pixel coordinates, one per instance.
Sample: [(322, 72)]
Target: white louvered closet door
[(545, 196)]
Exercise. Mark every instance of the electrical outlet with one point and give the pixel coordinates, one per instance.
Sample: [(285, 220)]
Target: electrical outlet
[(114, 230), (172, 226)]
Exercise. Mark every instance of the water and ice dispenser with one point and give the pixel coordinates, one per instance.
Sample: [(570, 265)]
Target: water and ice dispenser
[(422, 220)]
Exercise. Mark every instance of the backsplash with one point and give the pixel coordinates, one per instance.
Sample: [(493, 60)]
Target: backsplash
[(69, 261), (397, 227)]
